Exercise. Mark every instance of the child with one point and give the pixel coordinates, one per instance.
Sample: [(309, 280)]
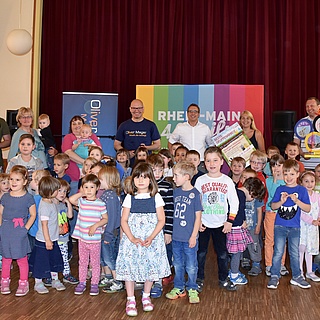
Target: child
[(123, 158), (254, 191), (166, 192), (317, 175), (60, 164), (141, 153), (25, 158), (186, 224), (4, 188), (46, 137), (110, 182), (174, 147), (288, 200), (46, 260), (309, 233), (193, 156), (87, 165), (220, 206), (96, 152), (91, 217), (34, 186), (168, 162), (238, 240), (273, 182), (271, 151), (17, 214), (81, 146), (65, 212), (142, 253), (292, 151), (238, 164), (180, 153), (4, 184)]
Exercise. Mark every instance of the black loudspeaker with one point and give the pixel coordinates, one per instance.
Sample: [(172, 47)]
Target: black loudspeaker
[(12, 121), (283, 123)]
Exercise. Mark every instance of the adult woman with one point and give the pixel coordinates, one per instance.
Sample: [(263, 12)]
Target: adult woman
[(250, 130), (73, 171), (24, 121)]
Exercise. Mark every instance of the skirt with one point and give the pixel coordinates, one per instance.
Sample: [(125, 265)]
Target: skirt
[(238, 240), (42, 261)]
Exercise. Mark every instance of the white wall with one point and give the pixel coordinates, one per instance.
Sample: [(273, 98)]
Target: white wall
[(15, 75), (15, 71)]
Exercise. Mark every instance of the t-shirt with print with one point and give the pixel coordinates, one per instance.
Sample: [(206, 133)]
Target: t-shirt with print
[(186, 204)]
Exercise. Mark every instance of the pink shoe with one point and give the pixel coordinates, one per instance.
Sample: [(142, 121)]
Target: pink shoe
[(131, 309), (23, 288), (5, 286), (147, 305)]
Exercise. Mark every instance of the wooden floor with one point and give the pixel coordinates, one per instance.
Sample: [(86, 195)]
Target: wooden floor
[(252, 301)]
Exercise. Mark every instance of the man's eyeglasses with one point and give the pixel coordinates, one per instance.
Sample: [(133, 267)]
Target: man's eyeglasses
[(136, 108), (193, 111)]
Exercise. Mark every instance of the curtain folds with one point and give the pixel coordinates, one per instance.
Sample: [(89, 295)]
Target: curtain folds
[(113, 45)]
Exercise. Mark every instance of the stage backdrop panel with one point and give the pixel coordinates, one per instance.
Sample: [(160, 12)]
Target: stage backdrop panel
[(100, 110), (220, 105)]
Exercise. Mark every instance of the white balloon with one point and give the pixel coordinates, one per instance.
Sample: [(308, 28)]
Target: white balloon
[(19, 42)]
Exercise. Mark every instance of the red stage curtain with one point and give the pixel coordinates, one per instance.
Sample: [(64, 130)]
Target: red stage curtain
[(112, 45)]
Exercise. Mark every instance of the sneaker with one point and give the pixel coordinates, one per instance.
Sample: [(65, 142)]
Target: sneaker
[(273, 282), (114, 286), (312, 276), (240, 274), (200, 283), (40, 288), (176, 293), (80, 288), (56, 284), (5, 286), (23, 288), (193, 296), (284, 271), (104, 282), (254, 271), (94, 290), (69, 278), (268, 271), (300, 282), (239, 280), (146, 304), (131, 309), (167, 280), (156, 291), (228, 285), (245, 263), (47, 282)]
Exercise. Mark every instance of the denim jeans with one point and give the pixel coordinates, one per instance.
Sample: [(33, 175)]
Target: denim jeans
[(109, 251), (281, 234), (220, 247), (185, 261)]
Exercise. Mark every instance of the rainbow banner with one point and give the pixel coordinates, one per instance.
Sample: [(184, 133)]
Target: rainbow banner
[(220, 105)]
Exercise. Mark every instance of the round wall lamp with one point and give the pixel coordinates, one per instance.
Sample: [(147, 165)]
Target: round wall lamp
[(19, 41)]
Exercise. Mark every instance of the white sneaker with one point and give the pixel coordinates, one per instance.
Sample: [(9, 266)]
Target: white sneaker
[(312, 276)]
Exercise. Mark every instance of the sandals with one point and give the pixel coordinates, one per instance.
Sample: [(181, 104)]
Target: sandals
[(147, 305), (131, 309)]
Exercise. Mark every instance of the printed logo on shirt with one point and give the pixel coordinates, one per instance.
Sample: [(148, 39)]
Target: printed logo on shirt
[(136, 133), (181, 203)]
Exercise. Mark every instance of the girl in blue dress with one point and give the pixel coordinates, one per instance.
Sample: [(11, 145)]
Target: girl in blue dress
[(142, 254), (17, 214)]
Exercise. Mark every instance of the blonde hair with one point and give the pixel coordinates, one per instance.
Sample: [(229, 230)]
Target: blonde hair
[(4, 176), (44, 116), (85, 125), (306, 173), (260, 155), (62, 157), (250, 115), (38, 174), (23, 111), (92, 159), (185, 167), (112, 177)]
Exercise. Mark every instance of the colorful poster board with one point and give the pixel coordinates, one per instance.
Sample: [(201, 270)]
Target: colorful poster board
[(100, 110), (221, 105)]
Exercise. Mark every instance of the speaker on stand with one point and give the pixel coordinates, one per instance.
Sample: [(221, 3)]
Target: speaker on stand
[(12, 121), (283, 123)]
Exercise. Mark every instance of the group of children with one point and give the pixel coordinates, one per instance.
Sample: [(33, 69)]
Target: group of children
[(171, 206)]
